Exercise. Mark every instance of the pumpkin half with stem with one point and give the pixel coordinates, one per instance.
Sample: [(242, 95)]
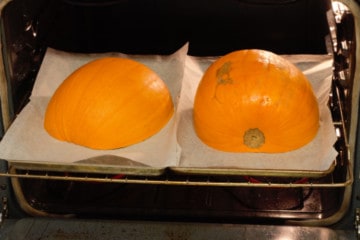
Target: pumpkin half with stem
[(109, 103), (255, 101)]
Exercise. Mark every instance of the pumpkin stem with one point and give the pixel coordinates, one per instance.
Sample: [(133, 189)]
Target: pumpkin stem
[(254, 138)]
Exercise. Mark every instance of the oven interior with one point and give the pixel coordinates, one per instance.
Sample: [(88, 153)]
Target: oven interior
[(28, 28)]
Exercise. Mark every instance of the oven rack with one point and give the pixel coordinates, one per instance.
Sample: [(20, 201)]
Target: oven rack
[(171, 178), (339, 175)]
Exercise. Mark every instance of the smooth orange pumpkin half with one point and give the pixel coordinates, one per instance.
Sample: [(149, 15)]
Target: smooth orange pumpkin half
[(255, 101), (109, 103)]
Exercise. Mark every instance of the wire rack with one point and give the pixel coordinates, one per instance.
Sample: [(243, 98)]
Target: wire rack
[(332, 180), (340, 175)]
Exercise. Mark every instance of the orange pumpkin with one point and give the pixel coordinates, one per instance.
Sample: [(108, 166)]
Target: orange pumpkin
[(109, 103), (255, 101)]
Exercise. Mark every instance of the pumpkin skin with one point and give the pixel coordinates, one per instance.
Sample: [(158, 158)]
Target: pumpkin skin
[(255, 101), (109, 103)]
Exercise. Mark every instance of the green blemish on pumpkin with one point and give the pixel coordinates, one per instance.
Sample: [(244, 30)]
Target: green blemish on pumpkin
[(223, 74), (223, 77)]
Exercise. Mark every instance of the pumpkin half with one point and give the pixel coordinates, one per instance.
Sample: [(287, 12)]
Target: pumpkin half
[(109, 103), (255, 101)]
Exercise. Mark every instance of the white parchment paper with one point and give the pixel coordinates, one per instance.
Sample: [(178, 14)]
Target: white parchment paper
[(176, 145)]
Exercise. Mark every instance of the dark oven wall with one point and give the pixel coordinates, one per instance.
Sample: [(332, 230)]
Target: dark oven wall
[(212, 27)]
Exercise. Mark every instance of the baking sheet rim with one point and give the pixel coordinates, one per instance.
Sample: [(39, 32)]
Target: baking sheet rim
[(253, 172), (87, 168), (153, 171)]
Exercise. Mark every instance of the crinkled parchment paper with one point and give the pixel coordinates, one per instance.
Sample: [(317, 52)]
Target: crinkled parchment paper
[(176, 145)]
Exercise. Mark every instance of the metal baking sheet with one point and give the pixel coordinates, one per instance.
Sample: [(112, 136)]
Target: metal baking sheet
[(105, 164), (141, 170), (253, 172)]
